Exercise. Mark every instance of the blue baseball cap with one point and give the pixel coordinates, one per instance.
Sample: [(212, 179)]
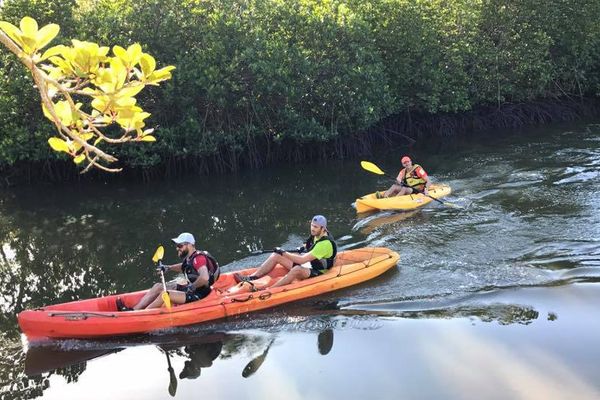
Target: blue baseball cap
[(184, 237), (319, 220)]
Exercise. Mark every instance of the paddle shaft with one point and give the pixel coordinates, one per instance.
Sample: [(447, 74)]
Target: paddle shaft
[(258, 252), (165, 293), (172, 377), (162, 277)]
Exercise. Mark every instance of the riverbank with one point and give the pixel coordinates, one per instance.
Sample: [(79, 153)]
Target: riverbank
[(410, 132), (275, 82)]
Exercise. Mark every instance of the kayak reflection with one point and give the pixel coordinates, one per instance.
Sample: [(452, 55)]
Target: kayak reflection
[(370, 222), (39, 360), (200, 351)]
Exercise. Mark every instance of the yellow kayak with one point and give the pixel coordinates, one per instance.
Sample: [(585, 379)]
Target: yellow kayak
[(370, 202)]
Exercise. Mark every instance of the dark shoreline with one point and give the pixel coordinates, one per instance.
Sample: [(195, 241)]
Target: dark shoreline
[(409, 130)]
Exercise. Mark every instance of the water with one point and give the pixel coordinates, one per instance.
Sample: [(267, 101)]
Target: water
[(497, 299)]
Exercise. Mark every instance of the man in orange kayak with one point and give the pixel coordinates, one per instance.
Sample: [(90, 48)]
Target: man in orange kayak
[(319, 254), (411, 179), (201, 270)]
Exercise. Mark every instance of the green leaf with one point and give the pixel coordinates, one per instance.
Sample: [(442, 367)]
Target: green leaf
[(132, 90), (13, 32), (118, 73), (134, 52), (64, 113), (125, 102), (46, 34), (58, 144), (120, 52), (53, 51), (29, 27), (161, 74), (100, 103), (148, 64)]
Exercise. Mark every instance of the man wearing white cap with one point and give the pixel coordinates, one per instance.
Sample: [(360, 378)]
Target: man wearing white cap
[(319, 255), (200, 270)]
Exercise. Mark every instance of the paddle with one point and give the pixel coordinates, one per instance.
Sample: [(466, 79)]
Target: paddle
[(157, 258), (325, 341), (255, 363), (369, 166), (172, 377), (259, 252)]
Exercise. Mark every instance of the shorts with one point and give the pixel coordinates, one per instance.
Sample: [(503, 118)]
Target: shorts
[(198, 294), (316, 272), (313, 272), (417, 189)]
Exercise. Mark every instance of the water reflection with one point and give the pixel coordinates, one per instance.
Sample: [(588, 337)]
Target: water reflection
[(369, 222), (325, 341), (70, 359), (200, 356), (450, 308), (256, 362), (172, 379), (14, 384)]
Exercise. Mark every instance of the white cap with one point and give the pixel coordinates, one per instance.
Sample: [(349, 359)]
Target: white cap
[(185, 237)]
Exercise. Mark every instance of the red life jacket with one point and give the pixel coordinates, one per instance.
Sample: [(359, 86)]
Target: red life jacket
[(212, 265)]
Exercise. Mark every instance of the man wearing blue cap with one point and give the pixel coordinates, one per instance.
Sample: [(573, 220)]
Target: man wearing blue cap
[(199, 268), (319, 255)]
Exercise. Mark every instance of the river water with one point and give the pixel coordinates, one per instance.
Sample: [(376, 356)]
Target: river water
[(496, 299)]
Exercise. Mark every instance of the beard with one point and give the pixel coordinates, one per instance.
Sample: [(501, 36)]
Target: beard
[(184, 253)]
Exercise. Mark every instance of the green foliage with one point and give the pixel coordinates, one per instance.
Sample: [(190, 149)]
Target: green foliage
[(66, 74), (251, 74)]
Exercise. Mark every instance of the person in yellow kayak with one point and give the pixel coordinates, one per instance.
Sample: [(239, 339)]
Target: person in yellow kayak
[(411, 179), (200, 269), (319, 255)]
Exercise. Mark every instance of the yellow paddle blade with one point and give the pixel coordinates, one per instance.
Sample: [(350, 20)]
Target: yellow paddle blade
[(158, 254), (166, 299), (369, 166)]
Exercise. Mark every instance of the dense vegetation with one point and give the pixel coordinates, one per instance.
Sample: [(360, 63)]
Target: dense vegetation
[(265, 80)]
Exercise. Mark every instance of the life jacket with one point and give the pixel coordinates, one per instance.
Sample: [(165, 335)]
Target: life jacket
[(214, 271), (411, 179), (325, 263)]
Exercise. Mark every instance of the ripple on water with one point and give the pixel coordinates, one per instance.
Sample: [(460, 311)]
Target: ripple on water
[(474, 305)]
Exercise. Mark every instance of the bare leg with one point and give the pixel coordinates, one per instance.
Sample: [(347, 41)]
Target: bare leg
[(404, 191), (296, 272), (176, 296), (393, 190), (151, 295), (270, 263)]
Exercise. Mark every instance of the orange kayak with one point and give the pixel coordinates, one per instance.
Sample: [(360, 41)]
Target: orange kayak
[(95, 318)]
